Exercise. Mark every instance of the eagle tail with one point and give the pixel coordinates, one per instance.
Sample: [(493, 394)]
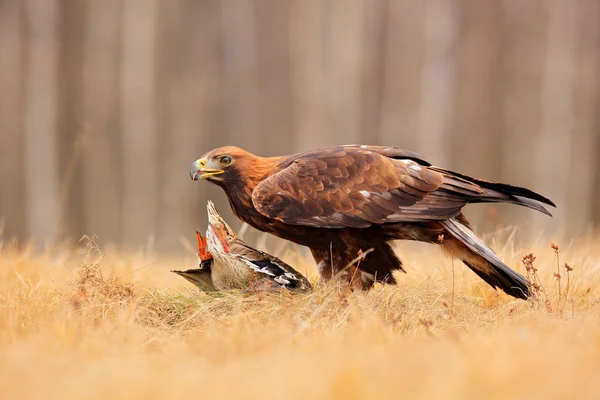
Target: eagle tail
[(483, 261), (529, 203), (500, 192)]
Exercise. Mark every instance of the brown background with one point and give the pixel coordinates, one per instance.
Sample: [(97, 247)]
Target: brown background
[(104, 104)]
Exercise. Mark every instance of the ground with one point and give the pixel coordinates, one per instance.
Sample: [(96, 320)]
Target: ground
[(80, 322)]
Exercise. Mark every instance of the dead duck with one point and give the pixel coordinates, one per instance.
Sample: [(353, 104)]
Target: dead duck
[(232, 264), (236, 265)]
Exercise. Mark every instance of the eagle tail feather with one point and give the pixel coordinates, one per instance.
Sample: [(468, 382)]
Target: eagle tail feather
[(502, 192), (529, 203), (483, 261), (514, 191)]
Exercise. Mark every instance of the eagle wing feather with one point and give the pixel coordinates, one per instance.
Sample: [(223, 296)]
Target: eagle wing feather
[(354, 187)]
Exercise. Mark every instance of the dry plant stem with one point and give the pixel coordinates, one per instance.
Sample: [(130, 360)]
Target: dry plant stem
[(557, 275), (356, 261), (453, 287), (538, 296), (568, 268)]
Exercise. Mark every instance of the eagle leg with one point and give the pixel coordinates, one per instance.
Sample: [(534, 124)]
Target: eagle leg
[(375, 266)]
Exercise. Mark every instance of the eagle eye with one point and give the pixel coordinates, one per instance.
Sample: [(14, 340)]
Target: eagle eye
[(225, 161)]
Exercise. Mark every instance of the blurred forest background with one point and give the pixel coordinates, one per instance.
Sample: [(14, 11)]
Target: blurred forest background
[(104, 104)]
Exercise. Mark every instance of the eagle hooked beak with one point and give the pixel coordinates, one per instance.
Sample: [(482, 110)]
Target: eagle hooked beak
[(201, 169)]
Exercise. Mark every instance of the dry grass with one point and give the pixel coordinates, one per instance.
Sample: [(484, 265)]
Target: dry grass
[(79, 324)]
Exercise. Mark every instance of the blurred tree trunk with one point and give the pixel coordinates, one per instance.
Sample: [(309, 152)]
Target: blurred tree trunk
[(557, 112), (403, 74), (438, 80), (373, 46), (273, 60), (477, 129), (102, 185), (190, 53), (311, 126), (343, 63), (239, 74), (12, 84), (478, 123), (138, 99), (522, 71), (583, 190), (70, 129), (41, 164)]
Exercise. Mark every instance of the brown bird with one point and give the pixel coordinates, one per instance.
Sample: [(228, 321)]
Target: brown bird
[(341, 201)]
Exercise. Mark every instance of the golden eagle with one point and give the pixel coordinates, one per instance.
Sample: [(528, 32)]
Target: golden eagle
[(341, 201)]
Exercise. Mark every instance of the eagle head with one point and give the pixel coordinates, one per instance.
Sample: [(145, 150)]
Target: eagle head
[(232, 168), (220, 165)]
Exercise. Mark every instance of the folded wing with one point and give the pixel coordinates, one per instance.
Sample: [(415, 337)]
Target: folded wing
[(360, 186)]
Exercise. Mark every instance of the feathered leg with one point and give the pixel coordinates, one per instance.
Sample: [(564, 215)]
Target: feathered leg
[(359, 271)]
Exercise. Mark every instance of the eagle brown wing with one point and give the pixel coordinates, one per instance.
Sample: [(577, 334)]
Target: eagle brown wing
[(355, 187)]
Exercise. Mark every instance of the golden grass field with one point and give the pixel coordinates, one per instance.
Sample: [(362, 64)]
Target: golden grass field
[(78, 324)]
